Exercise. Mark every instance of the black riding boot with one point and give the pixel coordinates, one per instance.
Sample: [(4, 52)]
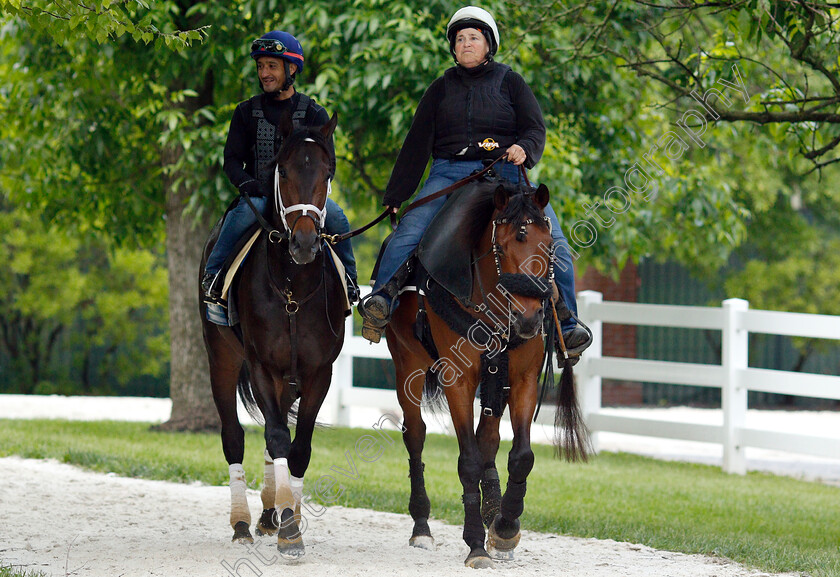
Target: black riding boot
[(212, 286)]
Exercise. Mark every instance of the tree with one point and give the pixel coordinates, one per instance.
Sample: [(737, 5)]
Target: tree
[(55, 280), (132, 133)]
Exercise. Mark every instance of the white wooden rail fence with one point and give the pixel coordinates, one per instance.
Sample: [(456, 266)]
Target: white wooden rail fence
[(733, 376)]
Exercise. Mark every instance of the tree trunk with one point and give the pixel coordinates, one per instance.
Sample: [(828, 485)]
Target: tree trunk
[(189, 384)]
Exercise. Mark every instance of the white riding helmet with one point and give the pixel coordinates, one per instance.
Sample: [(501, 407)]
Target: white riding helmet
[(473, 17)]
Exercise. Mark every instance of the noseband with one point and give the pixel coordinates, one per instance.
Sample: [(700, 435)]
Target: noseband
[(309, 210), (527, 285)]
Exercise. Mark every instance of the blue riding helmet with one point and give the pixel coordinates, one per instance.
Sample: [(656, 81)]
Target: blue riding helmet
[(279, 44)]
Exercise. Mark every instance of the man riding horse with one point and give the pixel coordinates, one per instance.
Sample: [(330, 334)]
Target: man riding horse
[(252, 143), (477, 111)]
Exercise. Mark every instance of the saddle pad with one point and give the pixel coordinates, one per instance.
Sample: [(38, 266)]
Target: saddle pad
[(237, 262), (240, 257), (445, 251)]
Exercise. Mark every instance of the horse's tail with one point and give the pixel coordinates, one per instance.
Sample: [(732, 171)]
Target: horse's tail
[(434, 400), (571, 434), (246, 395)]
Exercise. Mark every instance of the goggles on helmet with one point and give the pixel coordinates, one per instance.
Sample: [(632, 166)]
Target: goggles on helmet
[(268, 45)]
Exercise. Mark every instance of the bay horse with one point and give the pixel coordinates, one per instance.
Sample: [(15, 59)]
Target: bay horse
[(291, 305), (512, 292)]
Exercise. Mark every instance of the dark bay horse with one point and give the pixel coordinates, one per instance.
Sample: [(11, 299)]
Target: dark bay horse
[(494, 338), (291, 306)]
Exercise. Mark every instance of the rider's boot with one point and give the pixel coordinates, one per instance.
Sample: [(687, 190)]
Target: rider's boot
[(576, 339), (211, 286), (376, 309)]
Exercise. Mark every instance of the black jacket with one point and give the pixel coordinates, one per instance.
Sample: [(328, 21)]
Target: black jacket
[(445, 125), (240, 147)]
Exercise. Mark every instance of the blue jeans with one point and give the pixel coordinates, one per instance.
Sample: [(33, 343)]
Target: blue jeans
[(240, 218), (414, 223)]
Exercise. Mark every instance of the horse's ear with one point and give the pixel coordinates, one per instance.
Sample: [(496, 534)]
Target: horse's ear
[(541, 196), (329, 127), (501, 197)]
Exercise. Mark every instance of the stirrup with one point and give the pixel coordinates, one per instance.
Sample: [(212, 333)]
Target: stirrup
[(370, 332)]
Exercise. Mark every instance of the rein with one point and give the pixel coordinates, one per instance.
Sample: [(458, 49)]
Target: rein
[(337, 238)]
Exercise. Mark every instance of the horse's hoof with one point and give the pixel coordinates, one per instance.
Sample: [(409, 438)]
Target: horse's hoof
[(267, 526), (426, 542), (291, 550), (289, 538), (479, 559), (500, 547), (241, 533)]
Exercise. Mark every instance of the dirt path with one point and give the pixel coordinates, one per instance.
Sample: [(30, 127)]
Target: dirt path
[(65, 521)]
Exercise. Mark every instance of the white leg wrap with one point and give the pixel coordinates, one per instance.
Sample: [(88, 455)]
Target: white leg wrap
[(283, 498), (238, 501), (296, 484), (269, 489)]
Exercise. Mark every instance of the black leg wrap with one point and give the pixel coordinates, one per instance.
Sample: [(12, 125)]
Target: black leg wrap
[(513, 502), (473, 529), (491, 495), (418, 504)]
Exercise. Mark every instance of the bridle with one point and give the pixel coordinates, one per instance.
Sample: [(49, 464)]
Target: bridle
[(522, 284), (308, 210)]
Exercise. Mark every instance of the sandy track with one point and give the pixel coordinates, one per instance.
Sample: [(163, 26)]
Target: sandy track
[(65, 521)]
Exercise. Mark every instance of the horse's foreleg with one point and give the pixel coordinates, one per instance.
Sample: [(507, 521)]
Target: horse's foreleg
[(301, 450), (278, 443), (469, 472), (268, 524), (487, 436), (503, 535), (224, 373)]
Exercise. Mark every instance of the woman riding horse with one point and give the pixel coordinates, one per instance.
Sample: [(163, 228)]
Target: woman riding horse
[(489, 340), (478, 110)]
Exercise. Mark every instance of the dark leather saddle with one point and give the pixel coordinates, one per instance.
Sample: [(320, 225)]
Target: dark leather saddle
[(445, 251)]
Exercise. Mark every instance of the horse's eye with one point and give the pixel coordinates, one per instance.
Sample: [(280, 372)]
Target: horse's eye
[(282, 172)]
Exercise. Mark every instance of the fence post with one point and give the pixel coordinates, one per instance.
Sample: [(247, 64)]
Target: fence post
[(589, 383), (735, 353)]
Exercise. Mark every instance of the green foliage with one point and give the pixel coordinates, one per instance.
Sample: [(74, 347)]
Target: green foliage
[(72, 298), (98, 20), (775, 524)]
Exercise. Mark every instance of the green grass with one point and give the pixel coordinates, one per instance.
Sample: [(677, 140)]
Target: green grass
[(12, 571), (774, 524)]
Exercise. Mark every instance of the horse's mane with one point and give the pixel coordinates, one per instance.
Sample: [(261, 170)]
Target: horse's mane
[(479, 207), (299, 136)]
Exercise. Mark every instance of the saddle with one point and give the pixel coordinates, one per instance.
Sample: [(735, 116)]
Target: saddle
[(445, 251)]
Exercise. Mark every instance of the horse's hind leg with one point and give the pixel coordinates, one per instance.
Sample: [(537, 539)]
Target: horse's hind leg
[(487, 436), (224, 373)]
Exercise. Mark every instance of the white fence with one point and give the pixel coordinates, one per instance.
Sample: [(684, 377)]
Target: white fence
[(733, 377)]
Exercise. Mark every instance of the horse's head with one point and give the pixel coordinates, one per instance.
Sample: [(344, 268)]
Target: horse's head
[(520, 240), (301, 186)]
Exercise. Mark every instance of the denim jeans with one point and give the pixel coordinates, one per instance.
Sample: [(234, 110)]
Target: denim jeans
[(241, 217), (414, 223)]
